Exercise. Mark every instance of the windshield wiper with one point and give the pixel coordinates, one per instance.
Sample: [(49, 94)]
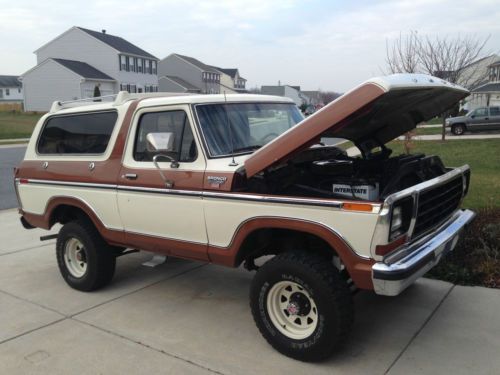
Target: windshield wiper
[(247, 148)]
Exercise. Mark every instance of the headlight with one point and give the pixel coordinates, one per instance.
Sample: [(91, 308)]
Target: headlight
[(397, 218), (400, 218)]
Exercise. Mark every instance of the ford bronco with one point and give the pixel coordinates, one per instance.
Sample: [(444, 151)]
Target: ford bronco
[(229, 180)]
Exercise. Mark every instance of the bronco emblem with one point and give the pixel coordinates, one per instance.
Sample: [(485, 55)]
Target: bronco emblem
[(216, 180)]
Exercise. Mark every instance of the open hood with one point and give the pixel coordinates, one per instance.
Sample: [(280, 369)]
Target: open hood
[(379, 109)]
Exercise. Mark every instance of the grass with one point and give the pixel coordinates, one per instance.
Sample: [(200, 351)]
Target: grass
[(17, 124), (483, 156), (429, 131)]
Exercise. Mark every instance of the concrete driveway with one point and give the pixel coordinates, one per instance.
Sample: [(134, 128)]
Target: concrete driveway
[(191, 318)]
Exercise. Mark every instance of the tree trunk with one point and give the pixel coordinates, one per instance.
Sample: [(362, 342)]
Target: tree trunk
[(443, 132)]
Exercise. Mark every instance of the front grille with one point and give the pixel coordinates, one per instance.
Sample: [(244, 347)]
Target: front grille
[(437, 204)]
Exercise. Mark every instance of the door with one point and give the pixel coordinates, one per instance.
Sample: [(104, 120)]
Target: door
[(494, 118), (479, 119), (164, 213)]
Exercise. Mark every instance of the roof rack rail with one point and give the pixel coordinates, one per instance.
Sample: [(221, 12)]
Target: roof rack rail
[(124, 96), (120, 98), (58, 105)]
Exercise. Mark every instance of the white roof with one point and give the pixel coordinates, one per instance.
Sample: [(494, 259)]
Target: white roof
[(161, 98)]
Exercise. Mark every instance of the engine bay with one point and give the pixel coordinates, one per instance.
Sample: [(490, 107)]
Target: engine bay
[(328, 172)]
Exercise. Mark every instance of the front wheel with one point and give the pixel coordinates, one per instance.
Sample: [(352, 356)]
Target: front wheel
[(85, 260), (301, 305), (458, 129)]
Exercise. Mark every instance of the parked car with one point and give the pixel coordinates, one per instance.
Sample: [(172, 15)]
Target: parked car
[(484, 118), (244, 179)]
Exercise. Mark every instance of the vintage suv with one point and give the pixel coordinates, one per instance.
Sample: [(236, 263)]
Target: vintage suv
[(231, 179)]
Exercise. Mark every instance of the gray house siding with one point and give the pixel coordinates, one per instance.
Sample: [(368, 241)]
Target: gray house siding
[(76, 44), (175, 66), (48, 82), (106, 88)]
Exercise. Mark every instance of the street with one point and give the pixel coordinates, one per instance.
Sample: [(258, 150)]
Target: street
[(10, 157)]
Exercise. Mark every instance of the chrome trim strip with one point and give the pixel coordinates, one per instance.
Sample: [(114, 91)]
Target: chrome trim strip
[(390, 279), (203, 194), (272, 199), (70, 183)]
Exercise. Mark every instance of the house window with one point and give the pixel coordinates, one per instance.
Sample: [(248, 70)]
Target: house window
[(132, 64), (123, 62), (139, 65), (19, 90), (133, 88), (7, 92), (153, 64), (147, 67)]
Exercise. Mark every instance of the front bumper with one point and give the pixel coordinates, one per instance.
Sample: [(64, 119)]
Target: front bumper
[(390, 279)]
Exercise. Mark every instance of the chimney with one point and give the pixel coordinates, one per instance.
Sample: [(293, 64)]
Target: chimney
[(103, 31)]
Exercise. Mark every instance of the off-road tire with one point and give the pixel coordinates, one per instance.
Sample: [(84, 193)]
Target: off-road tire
[(458, 129), (329, 292), (100, 257)]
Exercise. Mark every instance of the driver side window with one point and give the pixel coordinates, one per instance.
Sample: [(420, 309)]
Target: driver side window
[(175, 122), (481, 112)]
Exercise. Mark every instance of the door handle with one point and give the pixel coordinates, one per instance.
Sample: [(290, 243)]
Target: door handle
[(130, 176), (486, 118)]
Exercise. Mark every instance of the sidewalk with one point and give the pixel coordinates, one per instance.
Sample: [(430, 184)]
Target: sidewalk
[(190, 318)]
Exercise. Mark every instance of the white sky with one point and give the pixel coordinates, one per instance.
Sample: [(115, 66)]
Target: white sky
[(326, 44)]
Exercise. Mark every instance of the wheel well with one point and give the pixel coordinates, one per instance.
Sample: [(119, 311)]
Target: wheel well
[(272, 241), (65, 213)]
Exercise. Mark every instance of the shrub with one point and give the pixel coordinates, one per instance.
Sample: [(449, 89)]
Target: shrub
[(476, 259)]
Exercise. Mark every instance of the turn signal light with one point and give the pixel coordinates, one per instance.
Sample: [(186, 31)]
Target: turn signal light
[(357, 207)]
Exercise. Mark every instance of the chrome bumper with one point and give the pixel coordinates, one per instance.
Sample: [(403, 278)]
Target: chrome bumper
[(390, 279)]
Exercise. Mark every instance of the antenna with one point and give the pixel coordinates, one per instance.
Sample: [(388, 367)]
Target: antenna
[(233, 162)]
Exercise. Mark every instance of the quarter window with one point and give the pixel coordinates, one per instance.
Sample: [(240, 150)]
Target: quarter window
[(77, 134), (176, 122)]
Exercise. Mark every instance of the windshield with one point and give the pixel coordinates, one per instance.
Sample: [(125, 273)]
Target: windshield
[(232, 128)]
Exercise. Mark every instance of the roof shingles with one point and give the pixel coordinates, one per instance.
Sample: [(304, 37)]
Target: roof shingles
[(9, 81), (118, 43), (83, 69)]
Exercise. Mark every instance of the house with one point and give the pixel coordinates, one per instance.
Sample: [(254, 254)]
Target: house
[(314, 97), (180, 73), (292, 92), (482, 78), (486, 93), (11, 89), (231, 79), (81, 62)]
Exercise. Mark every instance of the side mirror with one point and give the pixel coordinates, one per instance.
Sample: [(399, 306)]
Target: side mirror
[(161, 142), (472, 116)]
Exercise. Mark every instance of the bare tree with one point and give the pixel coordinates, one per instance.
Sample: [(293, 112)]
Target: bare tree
[(449, 58), (328, 96)]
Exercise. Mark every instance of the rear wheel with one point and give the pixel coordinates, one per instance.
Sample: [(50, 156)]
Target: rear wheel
[(458, 129), (301, 305), (85, 260)]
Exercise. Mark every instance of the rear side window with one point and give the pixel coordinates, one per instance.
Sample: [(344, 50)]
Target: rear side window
[(77, 134), (495, 111)]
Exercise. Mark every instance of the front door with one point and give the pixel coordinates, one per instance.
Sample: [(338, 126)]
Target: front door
[(164, 213), (479, 119)]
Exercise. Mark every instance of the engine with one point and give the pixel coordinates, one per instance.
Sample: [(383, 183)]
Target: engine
[(328, 172)]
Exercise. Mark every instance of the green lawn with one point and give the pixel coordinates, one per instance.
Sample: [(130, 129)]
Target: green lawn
[(17, 125), (428, 131), (483, 156)]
